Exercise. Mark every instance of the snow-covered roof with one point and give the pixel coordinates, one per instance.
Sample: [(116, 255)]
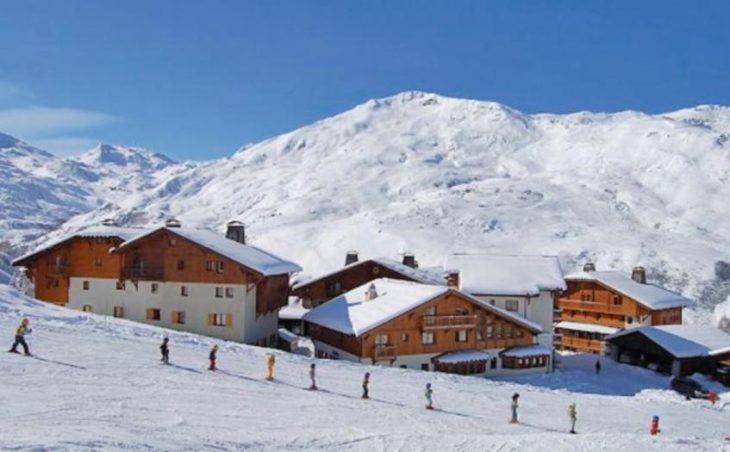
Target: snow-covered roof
[(262, 262), (683, 341), (649, 295), (586, 327), (419, 275), (462, 356), (525, 351), (491, 274), (295, 310), (92, 232), (287, 335), (350, 314)]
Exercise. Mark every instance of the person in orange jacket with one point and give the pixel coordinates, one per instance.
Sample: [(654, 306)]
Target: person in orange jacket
[(270, 361)]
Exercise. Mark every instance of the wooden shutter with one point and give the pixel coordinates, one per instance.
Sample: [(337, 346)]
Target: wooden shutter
[(121, 311), (173, 316), (229, 320), (150, 314), (211, 319)]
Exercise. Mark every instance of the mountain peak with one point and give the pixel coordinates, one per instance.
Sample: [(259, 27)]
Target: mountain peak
[(109, 154), (7, 141)]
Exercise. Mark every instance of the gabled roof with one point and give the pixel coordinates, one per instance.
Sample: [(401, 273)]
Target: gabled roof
[(491, 274), (92, 232), (421, 276), (649, 295), (351, 314), (254, 258), (683, 341)]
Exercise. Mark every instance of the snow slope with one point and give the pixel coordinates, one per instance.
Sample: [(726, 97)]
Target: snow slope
[(97, 384)]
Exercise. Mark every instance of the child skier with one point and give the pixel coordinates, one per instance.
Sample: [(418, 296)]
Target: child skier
[(515, 405), (212, 357), (270, 361), (20, 332), (312, 375), (429, 396), (365, 383), (572, 416), (165, 350)]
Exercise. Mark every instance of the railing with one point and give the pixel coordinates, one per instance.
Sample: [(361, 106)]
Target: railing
[(58, 269), (384, 352), (591, 306), (436, 322), (593, 345), (143, 273)]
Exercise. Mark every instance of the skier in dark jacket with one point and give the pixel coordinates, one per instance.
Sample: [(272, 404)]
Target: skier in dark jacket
[(514, 406), (429, 396), (313, 376), (598, 366), (365, 383), (212, 357), (20, 333), (165, 350)]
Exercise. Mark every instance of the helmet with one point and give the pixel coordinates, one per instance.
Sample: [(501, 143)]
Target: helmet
[(367, 374), (312, 365), (428, 385)]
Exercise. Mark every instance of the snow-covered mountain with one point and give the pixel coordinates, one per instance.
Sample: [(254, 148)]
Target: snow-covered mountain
[(428, 174)]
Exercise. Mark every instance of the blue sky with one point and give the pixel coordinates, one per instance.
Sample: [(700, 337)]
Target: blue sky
[(198, 79)]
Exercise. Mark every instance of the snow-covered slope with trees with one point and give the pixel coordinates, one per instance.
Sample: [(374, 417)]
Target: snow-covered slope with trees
[(431, 175), (97, 384)]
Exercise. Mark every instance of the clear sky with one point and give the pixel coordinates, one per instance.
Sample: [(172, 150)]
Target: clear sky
[(198, 79)]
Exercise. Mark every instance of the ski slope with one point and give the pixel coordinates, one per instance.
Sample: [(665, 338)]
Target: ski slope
[(97, 383)]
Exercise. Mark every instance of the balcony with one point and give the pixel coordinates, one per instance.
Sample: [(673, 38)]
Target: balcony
[(590, 345), (143, 273), (590, 306), (384, 352), (447, 322)]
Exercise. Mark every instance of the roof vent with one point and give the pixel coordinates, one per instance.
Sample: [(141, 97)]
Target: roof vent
[(589, 267), (409, 260), (173, 223), (236, 231), (109, 222), (638, 274), (371, 293), (351, 257)]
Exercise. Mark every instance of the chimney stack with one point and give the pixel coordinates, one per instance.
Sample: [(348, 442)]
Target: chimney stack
[(236, 231), (589, 267), (172, 223), (110, 222), (351, 257), (452, 278), (409, 260), (371, 293), (638, 274)]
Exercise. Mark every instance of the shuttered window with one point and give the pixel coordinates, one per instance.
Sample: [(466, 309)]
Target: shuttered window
[(118, 311), (178, 317), (218, 319), (153, 314)]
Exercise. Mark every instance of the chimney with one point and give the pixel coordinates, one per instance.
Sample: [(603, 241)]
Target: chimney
[(110, 222), (589, 267), (172, 223), (371, 293), (236, 231), (452, 278), (351, 257), (638, 274), (409, 260)]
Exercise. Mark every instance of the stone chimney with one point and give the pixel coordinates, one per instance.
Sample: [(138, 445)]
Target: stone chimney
[(172, 223), (371, 293), (110, 222), (638, 274), (452, 278), (589, 267), (236, 231), (409, 260), (351, 257)]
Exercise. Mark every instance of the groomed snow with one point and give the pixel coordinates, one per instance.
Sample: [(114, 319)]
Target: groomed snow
[(586, 327), (651, 296), (488, 274), (98, 385)]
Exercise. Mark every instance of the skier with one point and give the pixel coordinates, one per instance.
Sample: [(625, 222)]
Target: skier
[(270, 361), (312, 375), (20, 333), (165, 350), (429, 396), (212, 357), (598, 366), (365, 383), (515, 405), (572, 416)]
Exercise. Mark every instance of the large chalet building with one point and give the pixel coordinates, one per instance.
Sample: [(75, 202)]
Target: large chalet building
[(430, 327), (598, 304), (180, 278)]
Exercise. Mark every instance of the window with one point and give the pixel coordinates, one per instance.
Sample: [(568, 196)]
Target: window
[(498, 331), (493, 363), (209, 266), (586, 296), (86, 285), (461, 311), (219, 268), (508, 331), (492, 302), (425, 367), (181, 264), (334, 288), (178, 317), (229, 292), (404, 337), (219, 292), (118, 311), (430, 311), (220, 319), (616, 300), (153, 314), (512, 305), (87, 308), (171, 242), (462, 336), (154, 287), (518, 332), (381, 339), (184, 291), (98, 261), (629, 320), (120, 285), (490, 332), (427, 338)]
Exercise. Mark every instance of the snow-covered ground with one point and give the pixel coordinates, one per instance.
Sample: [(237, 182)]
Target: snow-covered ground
[(97, 384)]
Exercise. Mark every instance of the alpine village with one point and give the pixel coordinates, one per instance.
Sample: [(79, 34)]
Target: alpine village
[(474, 314)]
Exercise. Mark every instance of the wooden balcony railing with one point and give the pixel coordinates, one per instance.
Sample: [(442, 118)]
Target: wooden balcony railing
[(443, 322), (592, 345), (384, 352), (590, 306), (143, 273)]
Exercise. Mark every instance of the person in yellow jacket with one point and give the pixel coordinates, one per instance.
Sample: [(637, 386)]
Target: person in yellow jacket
[(270, 361), (20, 333)]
